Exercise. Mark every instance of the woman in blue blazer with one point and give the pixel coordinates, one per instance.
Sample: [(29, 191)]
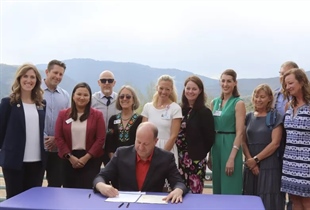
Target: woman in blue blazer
[(21, 132)]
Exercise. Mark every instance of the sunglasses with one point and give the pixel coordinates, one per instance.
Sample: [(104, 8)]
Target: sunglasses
[(123, 96), (103, 81)]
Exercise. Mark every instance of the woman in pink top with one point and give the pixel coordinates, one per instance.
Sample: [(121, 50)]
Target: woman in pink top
[(80, 135)]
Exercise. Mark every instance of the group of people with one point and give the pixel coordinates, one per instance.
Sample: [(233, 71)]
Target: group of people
[(276, 142), (104, 127)]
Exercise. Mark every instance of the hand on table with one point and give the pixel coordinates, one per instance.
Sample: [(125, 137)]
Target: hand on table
[(107, 190), (175, 196)]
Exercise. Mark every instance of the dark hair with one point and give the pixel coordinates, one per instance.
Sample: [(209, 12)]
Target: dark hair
[(74, 113), (36, 92), (233, 74), (201, 99), (52, 63), (302, 79), (136, 102)]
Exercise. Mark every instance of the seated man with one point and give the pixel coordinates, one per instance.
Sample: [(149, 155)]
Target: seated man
[(142, 167)]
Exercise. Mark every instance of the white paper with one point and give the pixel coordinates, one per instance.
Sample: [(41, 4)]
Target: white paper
[(156, 199), (125, 198), (132, 192)]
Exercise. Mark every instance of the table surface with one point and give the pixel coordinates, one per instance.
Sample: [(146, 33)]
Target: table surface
[(50, 198)]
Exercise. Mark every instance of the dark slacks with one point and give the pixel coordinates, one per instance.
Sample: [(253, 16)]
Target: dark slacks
[(105, 158), (54, 169), (81, 177), (18, 181)]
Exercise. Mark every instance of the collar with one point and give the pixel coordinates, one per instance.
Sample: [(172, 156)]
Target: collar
[(147, 160), (44, 87), (101, 95)]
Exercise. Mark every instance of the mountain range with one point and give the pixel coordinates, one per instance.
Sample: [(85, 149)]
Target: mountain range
[(143, 78)]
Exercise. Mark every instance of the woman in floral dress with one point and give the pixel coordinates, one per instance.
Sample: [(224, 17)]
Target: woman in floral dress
[(196, 134)]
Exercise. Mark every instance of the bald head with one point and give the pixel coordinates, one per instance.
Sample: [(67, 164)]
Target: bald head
[(148, 127), (146, 139), (106, 82), (106, 74)]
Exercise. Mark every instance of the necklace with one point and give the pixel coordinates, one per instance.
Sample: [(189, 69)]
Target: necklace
[(125, 119), (163, 106), (124, 131)]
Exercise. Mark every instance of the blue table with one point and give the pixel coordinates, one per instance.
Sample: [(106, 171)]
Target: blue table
[(77, 199)]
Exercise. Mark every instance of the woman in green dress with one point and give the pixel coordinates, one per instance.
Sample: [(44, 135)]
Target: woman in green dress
[(226, 156)]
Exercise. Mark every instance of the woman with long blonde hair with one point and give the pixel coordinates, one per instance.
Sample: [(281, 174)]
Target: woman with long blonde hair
[(165, 113)]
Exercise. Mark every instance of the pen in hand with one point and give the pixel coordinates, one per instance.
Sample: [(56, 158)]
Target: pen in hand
[(120, 205)]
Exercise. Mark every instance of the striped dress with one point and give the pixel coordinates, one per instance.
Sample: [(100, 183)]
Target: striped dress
[(296, 160)]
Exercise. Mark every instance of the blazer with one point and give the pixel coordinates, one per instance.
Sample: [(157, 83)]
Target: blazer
[(200, 132), (13, 134), (95, 133), (123, 167)]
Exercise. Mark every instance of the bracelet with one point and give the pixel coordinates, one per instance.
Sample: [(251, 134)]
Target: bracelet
[(256, 159), (236, 147)]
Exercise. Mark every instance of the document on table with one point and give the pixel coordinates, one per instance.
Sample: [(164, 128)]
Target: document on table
[(156, 199), (126, 197)]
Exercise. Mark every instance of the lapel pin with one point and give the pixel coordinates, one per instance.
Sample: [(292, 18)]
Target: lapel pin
[(18, 105)]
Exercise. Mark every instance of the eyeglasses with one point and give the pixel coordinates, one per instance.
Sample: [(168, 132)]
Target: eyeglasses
[(103, 81), (123, 96)]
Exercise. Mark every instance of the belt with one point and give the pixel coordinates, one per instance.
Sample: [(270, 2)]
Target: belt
[(225, 132)]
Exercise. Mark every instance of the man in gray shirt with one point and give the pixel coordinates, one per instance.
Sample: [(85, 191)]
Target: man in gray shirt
[(56, 100), (104, 100)]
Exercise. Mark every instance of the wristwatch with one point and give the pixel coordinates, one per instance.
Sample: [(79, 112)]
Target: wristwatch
[(68, 155), (256, 159)]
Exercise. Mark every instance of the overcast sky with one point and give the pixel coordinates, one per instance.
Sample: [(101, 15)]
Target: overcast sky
[(204, 37)]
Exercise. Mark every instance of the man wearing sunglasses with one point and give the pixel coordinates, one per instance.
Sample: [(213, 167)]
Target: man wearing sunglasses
[(104, 100)]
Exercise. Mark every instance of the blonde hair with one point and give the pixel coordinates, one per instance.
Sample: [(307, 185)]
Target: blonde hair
[(173, 96), (36, 92), (268, 91)]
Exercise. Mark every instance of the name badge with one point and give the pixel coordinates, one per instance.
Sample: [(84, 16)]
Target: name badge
[(70, 120), (117, 121), (39, 108), (217, 113), (165, 117)]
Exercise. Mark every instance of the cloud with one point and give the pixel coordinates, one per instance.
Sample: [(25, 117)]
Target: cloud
[(206, 37)]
